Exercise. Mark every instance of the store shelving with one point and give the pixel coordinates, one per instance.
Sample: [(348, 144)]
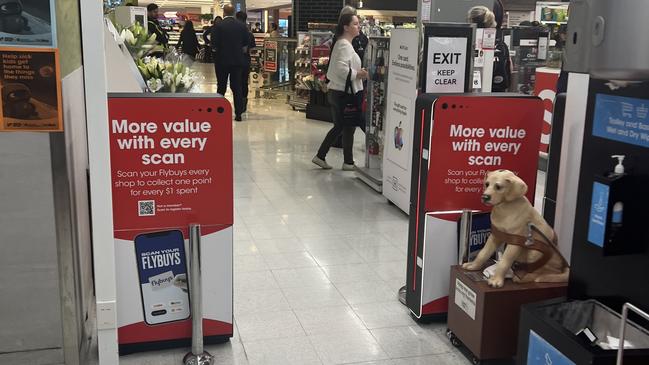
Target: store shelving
[(300, 98), (376, 59)]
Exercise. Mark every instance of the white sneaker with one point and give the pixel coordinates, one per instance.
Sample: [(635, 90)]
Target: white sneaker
[(349, 167), (322, 163)]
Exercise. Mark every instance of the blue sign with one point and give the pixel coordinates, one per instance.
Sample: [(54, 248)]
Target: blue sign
[(622, 119), (598, 214), (159, 253), (480, 231), (540, 352), (162, 270)]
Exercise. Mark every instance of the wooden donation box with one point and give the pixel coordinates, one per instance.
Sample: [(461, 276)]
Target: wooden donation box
[(484, 319)]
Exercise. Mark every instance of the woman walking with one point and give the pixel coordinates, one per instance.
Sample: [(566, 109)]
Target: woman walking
[(188, 41), (345, 82)]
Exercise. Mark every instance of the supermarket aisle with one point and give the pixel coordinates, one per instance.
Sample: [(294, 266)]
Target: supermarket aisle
[(319, 258)]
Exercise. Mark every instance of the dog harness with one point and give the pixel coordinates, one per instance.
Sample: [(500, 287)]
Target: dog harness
[(535, 240)]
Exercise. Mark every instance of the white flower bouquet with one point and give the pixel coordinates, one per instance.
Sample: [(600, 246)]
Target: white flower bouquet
[(137, 40), (166, 76)]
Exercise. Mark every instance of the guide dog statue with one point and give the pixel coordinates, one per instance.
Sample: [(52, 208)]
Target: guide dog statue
[(531, 250)]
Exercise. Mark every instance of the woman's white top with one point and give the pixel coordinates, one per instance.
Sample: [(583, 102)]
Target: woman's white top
[(342, 58)]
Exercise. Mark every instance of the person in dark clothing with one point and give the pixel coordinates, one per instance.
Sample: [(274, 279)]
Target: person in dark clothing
[(154, 25), (499, 13), (360, 45), (207, 34), (230, 39), (502, 71), (188, 41), (257, 28), (242, 17)]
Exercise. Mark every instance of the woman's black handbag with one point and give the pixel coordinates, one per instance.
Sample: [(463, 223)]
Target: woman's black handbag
[(353, 110)]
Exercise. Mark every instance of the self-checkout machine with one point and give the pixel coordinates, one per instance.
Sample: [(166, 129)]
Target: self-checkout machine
[(601, 196)]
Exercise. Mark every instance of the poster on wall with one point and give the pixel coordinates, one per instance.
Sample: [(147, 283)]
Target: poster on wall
[(270, 56), (27, 23), (401, 96), (446, 64), (31, 90), (171, 166)]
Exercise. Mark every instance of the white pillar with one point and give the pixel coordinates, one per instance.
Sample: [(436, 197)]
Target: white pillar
[(94, 64)]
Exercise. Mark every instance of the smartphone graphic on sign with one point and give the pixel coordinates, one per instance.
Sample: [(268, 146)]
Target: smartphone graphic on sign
[(162, 270)]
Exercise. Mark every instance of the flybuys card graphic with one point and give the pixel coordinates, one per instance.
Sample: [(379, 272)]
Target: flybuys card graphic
[(480, 231), (162, 270)]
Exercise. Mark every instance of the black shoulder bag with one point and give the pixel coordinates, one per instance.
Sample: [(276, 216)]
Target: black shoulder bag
[(352, 112)]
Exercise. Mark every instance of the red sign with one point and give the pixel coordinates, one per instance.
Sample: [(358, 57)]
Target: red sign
[(270, 56), (546, 89), (467, 143), (320, 51), (469, 136), (170, 166)]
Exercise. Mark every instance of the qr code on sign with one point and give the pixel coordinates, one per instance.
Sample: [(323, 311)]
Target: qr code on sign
[(146, 208)]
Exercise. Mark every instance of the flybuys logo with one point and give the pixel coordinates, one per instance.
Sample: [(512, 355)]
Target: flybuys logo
[(161, 281)]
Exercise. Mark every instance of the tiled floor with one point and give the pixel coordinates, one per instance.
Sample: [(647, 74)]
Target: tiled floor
[(319, 258)]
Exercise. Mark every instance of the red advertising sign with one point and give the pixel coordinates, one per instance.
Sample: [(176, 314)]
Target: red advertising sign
[(546, 89), (270, 56), (320, 51), (458, 139), (467, 143), (171, 166)]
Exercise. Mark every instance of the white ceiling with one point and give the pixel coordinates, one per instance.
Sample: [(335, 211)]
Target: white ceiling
[(250, 4)]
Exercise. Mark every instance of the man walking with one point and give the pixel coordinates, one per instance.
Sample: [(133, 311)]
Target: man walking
[(154, 25), (242, 17), (230, 40)]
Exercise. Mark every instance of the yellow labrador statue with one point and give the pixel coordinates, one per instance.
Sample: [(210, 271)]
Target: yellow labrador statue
[(531, 249)]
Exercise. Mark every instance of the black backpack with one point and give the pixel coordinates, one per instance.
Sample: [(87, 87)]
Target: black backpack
[(502, 74)]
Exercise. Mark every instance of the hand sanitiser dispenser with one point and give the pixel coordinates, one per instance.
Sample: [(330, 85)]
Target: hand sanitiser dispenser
[(608, 224)]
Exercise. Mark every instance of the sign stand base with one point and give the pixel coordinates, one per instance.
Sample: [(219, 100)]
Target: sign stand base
[(203, 359)]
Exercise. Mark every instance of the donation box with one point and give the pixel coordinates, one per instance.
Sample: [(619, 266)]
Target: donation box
[(171, 166)]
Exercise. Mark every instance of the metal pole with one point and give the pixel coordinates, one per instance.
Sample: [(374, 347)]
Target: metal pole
[(625, 315), (465, 235), (197, 356)]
